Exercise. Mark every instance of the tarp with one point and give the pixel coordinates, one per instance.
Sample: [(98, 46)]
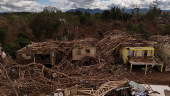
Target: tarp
[(134, 84)]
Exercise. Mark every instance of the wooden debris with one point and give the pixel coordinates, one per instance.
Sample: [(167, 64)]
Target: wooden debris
[(36, 78), (104, 88), (101, 66)]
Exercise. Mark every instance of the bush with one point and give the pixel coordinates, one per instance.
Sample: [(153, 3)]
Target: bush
[(97, 15), (19, 43), (82, 19), (136, 29), (129, 26), (117, 23), (106, 15), (10, 48), (65, 32), (100, 34), (45, 24), (167, 30), (22, 35), (22, 42), (2, 35), (160, 30), (141, 28), (146, 36)]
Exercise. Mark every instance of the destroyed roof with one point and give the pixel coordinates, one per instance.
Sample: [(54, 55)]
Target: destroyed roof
[(125, 39), (132, 42), (114, 32), (160, 38), (59, 45)]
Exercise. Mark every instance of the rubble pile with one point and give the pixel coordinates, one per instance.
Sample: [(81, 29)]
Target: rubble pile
[(34, 78), (31, 79), (160, 38)]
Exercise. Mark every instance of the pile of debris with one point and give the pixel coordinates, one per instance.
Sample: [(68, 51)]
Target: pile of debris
[(34, 78), (162, 45), (160, 38)]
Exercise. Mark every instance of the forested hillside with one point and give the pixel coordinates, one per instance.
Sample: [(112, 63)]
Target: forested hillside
[(17, 29)]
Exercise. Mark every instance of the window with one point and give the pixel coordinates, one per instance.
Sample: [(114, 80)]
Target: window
[(87, 50), (132, 53), (129, 53), (136, 53)]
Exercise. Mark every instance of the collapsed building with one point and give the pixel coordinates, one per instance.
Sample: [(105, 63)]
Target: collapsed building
[(138, 52), (86, 52), (162, 47), (103, 75), (53, 52)]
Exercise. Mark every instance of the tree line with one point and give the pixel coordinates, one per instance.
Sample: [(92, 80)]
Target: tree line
[(46, 24)]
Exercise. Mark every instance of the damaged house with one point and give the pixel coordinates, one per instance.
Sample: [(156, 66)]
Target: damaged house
[(162, 46), (29, 54), (137, 52), (53, 52), (84, 52)]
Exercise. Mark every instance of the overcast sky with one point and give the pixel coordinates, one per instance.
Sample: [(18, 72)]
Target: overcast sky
[(64, 5)]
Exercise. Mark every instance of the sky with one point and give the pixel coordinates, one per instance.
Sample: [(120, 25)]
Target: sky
[(64, 5)]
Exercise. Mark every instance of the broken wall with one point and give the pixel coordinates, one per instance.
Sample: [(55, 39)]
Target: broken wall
[(115, 36), (37, 56), (164, 53), (79, 53), (123, 53)]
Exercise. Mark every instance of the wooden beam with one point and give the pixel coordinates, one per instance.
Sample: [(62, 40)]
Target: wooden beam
[(101, 66)]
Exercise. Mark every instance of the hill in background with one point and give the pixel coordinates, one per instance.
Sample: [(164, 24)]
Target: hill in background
[(93, 11)]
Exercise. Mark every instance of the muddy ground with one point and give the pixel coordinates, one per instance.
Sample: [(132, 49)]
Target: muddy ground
[(153, 76)]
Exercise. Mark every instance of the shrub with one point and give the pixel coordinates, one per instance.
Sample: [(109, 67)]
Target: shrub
[(19, 43), (22, 42), (2, 35), (100, 34), (22, 35), (10, 48), (82, 19), (160, 30), (129, 26), (65, 32), (167, 30)]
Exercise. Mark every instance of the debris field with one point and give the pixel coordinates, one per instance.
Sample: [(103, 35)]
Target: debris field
[(37, 79)]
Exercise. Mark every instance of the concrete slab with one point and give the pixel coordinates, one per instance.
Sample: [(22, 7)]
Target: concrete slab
[(159, 88)]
